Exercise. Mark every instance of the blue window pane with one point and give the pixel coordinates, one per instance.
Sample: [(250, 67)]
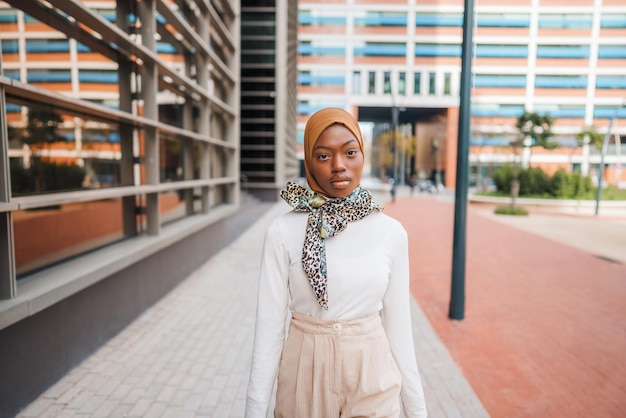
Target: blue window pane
[(13, 108), (502, 51), (437, 50), (611, 82), (49, 76), (9, 46), (381, 19), (497, 80), (561, 82), (439, 19), (12, 74), (613, 20), (564, 21), (612, 51), (308, 49), (381, 49), (82, 48), (165, 48), (8, 16), (503, 21), (95, 76), (47, 45), (608, 112), (561, 111), (500, 110), (562, 51)]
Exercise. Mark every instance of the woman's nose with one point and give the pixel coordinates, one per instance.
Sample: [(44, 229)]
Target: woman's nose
[(338, 164)]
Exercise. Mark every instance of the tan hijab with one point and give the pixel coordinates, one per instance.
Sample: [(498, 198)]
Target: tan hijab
[(316, 124)]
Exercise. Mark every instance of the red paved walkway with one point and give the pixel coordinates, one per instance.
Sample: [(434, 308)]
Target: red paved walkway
[(544, 333)]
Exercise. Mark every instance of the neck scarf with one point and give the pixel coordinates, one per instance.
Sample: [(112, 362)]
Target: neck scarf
[(327, 218)]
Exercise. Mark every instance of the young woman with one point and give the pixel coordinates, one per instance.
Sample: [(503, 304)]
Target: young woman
[(335, 271)]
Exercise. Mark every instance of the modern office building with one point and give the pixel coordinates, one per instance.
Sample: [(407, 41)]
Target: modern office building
[(120, 127), (268, 95), (398, 62)]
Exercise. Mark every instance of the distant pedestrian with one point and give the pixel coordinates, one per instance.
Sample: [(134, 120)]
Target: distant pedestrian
[(335, 272), (392, 190)]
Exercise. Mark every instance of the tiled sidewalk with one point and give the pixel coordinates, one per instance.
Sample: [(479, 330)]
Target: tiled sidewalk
[(189, 354)]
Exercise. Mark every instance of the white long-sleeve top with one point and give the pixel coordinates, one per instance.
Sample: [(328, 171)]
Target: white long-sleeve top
[(368, 271)]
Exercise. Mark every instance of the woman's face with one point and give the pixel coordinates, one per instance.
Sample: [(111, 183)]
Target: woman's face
[(337, 161)]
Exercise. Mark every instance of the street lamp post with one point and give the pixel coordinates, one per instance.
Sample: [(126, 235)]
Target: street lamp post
[(605, 146)]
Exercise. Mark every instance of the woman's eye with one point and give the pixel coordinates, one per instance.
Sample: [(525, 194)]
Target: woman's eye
[(322, 157), (352, 152)]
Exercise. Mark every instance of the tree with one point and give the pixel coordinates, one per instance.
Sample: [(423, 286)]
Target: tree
[(534, 130), (594, 137)]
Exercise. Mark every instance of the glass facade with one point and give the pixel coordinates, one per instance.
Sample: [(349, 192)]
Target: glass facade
[(113, 137)]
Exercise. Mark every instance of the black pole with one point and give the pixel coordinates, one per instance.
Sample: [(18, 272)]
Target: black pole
[(457, 296)]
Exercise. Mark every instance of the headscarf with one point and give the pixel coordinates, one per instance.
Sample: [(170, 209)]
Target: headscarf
[(316, 124), (327, 216)]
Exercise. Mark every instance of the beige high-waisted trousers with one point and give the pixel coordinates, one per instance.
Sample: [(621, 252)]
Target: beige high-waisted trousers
[(335, 369)]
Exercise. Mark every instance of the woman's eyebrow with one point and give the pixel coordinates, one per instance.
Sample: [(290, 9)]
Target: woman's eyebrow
[(349, 141)]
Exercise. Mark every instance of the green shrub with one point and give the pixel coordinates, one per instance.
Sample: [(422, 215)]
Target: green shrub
[(510, 210), (502, 177), (533, 181)]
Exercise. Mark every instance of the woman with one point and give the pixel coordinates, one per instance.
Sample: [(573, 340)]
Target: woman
[(336, 270)]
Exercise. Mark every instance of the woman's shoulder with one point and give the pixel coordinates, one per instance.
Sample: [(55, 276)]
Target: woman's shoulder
[(384, 220), (288, 220)]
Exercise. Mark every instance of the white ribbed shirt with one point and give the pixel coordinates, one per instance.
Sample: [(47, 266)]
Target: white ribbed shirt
[(368, 271)]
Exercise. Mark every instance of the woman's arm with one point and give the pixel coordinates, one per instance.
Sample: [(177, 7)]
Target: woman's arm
[(271, 319), (396, 316)]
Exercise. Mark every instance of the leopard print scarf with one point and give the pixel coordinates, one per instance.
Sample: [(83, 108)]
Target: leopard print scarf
[(327, 218)]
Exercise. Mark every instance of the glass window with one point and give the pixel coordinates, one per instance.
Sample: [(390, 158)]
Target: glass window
[(447, 84), (612, 51), (431, 83), (9, 46), (565, 21), (610, 81), (502, 51), (496, 109), (402, 83), (439, 19), (503, 20), (500, 80), (98, 76), (372, 18), (356, 82), (437, 50), (608, 112), (8, 16), (613, 20), (322, 78), (69, 229), (322, 48), (48, 76), (561, 111), (561, 81), (387, 82), (417, 83), (562, 51), (371, 85), (46, 46), (380, 49), (49, 159), (321, 18)]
